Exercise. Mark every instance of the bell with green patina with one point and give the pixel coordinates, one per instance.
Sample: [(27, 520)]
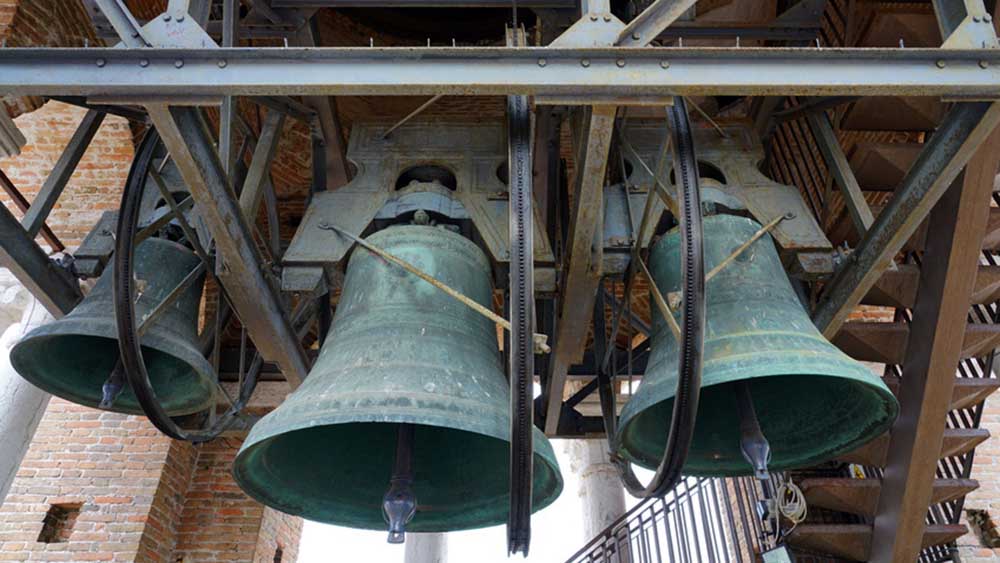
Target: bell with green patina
[(400, 352), (813, 402), (74, 356)]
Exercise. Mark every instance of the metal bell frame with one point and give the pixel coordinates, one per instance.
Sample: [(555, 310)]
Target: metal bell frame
[(130, 331)]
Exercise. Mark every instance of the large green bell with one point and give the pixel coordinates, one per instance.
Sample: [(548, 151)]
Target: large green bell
[(400, 352), (812, 401), (74, 356)]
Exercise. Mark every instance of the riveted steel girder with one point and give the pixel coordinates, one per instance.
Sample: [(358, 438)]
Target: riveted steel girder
[(563, 75)]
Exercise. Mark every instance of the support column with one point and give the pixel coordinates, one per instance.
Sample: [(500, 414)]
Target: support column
[(601, 490), (21, 403), (426, 548)]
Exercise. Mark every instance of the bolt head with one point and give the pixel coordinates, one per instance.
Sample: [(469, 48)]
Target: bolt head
[(593, 17), (607, 17), (101, 62), (542, 62), (636, 36), (984, 64), (166, 17), (977, 19), (585, 62), (143, 63), (664, 64), (222, 63), (179, 63), (180, 18), (620, 63), (941, 64), (987, 18)]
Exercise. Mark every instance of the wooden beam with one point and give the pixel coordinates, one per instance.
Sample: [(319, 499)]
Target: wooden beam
[(887, 343), (898, 288), (954, 442), (860, 496), (854, 541), (957, 223)]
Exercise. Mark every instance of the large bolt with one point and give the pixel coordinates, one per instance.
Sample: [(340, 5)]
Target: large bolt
[(101, 63), (585, 63), (179, 63)]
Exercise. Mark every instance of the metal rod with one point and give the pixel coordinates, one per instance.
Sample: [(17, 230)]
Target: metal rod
[(22, 205), (661, 303), (743, 247), (151, 317), (539, 339), (399, 503), (754, 446), (412, 114)]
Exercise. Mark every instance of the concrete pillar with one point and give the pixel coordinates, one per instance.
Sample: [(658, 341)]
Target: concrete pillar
[(21, 403), (426, 548), (601, 490)]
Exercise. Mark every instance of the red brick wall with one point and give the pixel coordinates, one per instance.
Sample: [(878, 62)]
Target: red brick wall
[(97, 183), (219, 522), (986, 470), (112, 464), (145, 498)]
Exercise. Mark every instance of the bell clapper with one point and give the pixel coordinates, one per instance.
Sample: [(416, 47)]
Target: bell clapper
[(113, 386), (399, 503), (753, 444)]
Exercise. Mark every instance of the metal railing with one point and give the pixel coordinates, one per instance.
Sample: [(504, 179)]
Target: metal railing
[(702, 520)]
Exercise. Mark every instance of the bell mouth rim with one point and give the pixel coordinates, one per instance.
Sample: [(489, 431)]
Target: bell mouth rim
[(255, 486), (105, 329), (863, 436)]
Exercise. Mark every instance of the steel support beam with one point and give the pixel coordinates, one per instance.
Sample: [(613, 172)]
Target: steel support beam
[(338, 171), (54, 287), (840, 168), (947, 275), (227, 114), (963, 130), (260, 166), (58, 178), (458, 4), (642, 30), (582, 265), (190, 145), (586, 76)]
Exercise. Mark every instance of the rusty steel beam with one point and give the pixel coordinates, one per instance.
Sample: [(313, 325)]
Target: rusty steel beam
[(957, 223), (582, 263), (253, 297)]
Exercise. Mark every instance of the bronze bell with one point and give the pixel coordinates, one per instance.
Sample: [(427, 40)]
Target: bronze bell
[(812, 401), (408, 389), (73, 357)]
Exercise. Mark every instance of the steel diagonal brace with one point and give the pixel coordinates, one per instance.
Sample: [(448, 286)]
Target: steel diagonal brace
[(582, 272), (965, 127), (185, 135), (652, 21)]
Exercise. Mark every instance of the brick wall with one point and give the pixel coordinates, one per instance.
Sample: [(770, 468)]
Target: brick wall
[(109, 465), (986, 470), (141, 497), (96, 185)]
